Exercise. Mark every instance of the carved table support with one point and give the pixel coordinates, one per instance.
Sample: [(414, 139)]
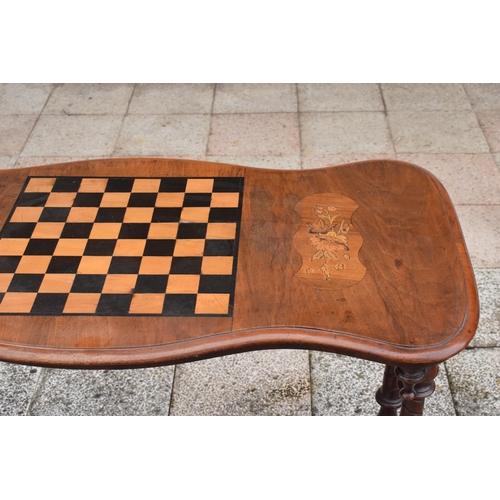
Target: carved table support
[(388, 394), (417, 385)]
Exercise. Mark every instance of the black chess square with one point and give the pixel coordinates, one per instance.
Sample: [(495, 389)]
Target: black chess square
[(186, 265), (134, 230), (151, 283), (192, 230), (173, 185), (224, 215), (25, 283), (167, 214), (159, 247), (88, 283), (32, 199), (182, 304), (114, 304), (66, 184), (100, 247), (125, 265), (88, 200), (63, 265), (110, 215), (197, 199), (120, 185), (80, 230), (216, 284), (51, 214), (228, 185), (219, 247), (18, 230), (8, 264), (40, 246), (49, 304), (142, 200)]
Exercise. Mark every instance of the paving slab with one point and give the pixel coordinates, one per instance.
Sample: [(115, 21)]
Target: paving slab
[(143, 392), (441, 403), (468, 178), (7, 161), (272, 382), (343, 132), (340, 97), (23, 98), (425, 96), (345, 386), (490, 124), (17, 385), (89, 99), (256, 134), (483, 96), (481, 228), (163, 135), (436, 132), (255, 98), (85, 135), (497, 159), (287, 162), (14, 131), (172, 98), (474, 376), (488, 331), (38, 161)]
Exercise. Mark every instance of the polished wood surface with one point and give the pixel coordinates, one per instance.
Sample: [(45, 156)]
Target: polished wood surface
[(365, 259)]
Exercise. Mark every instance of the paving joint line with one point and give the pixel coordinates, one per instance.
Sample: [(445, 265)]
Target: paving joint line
[(457, 414), (211, 118), (36, 391), (310, 383), (123, 120), (36, 121), (299, 126), (171, 391)]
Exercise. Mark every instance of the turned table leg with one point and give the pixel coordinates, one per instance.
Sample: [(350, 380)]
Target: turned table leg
[(417, 385), (388, 394)]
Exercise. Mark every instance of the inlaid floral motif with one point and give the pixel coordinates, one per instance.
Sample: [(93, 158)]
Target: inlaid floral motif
[(330, 241)]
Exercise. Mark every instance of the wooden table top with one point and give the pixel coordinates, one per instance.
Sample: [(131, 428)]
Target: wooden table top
[(142, 262)]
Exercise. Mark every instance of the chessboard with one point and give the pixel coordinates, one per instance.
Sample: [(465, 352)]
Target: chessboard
[(120, 246)]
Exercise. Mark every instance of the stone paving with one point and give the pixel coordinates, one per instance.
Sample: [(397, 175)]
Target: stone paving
[(453, 130)]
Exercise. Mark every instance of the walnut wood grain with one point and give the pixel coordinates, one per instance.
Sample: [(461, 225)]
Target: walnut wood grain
[(409, 299)]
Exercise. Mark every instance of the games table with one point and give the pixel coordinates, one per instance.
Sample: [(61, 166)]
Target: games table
[(125, 263)]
